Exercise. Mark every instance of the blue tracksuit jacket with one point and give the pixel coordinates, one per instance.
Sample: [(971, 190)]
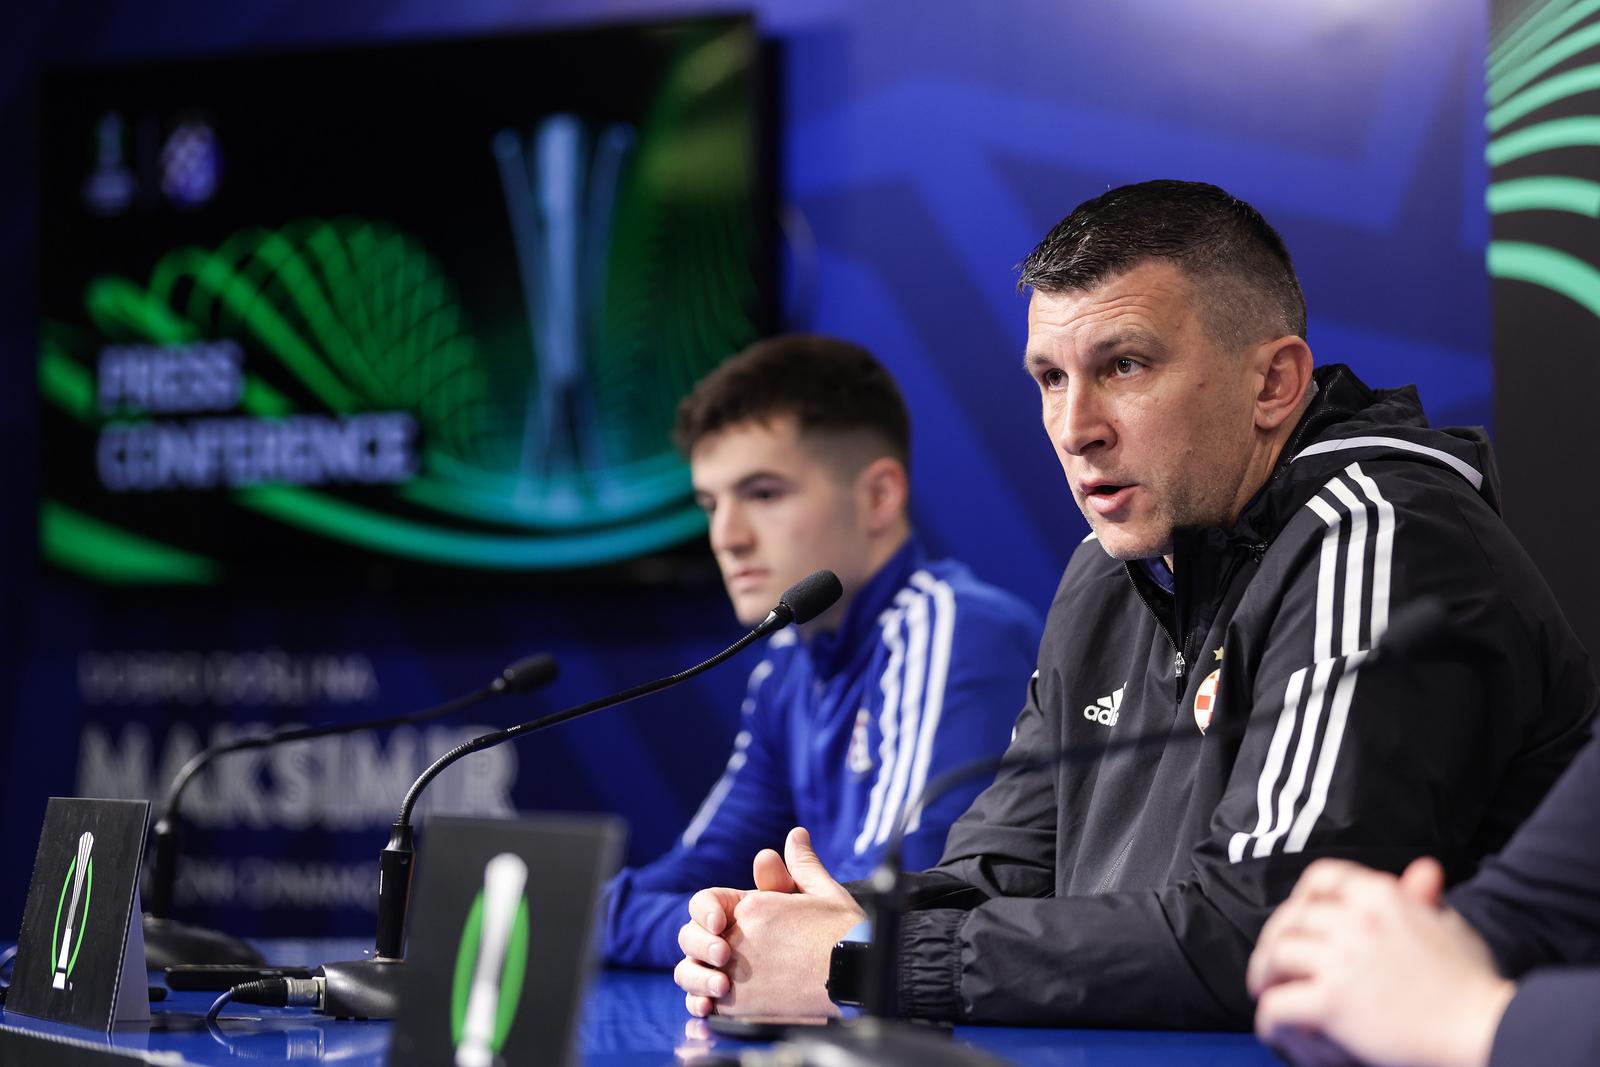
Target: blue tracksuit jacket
[(839, 734)]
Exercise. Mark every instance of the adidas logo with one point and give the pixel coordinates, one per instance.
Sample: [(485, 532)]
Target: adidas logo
[(1105, 710)]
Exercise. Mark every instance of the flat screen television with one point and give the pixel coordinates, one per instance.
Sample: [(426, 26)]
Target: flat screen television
[(415, 312)]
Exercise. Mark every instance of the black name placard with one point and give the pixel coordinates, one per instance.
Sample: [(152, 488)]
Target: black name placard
[(80, 954), (500, 943)]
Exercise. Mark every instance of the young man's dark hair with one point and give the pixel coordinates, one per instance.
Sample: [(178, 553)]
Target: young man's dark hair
[(828, 385), (1248, 287)]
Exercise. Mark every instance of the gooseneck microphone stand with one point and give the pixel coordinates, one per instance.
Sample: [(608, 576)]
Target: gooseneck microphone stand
[(370, 988), (169, 942)]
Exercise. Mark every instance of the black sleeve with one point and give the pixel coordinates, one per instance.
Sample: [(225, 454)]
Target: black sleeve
[(1341, 758), (1551, 1021)]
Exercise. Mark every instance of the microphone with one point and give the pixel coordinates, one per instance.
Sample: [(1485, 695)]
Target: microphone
[(805, 600), (369, 988), (1414, 630), (167, 942)]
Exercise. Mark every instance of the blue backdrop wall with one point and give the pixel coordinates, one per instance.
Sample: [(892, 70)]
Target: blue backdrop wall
[(925, 147)]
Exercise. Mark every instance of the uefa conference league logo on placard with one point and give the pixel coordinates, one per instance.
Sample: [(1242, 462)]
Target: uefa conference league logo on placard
[(78, 939), (80, 876), (491, 962)]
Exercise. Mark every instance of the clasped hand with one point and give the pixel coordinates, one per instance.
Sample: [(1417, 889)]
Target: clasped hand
[(765, 951), (1361, 965)]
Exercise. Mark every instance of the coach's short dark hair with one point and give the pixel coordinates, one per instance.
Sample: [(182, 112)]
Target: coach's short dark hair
[(1241, 265), (828, 385)]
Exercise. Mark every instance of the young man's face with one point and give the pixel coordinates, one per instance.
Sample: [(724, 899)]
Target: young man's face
[(1153, 423), (780, 509)]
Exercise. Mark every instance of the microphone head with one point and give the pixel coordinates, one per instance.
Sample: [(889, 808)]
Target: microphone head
[(811, 596), (528, 673)]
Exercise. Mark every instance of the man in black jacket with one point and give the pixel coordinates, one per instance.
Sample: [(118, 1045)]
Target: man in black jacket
[(1256, 526)]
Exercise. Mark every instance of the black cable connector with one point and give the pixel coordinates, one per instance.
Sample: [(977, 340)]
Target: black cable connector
[(271, 993), (268, 992)]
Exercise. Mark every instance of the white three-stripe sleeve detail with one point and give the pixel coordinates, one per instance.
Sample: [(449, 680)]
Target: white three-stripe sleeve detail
[(944, 625), (1276, 749), (911, 712), (1354, 567), (1377, 610), (1327, 568), (1383, 554), (1372, 527), (719, 791), (888, 724), (1316, 704), (1300, 768), (1332, 739), (1267, 829)]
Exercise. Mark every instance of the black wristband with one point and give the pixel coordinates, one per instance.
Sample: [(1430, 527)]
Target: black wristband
[(847, 973)]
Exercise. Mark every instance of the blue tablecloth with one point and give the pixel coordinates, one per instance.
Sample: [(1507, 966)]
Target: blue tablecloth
[(631, 1019)]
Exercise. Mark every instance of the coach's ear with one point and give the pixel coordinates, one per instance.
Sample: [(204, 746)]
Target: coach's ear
[(1283, 369)]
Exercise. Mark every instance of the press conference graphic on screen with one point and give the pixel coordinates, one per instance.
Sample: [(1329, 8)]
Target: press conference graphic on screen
[(80, 875), (490, 964), (309, 315)]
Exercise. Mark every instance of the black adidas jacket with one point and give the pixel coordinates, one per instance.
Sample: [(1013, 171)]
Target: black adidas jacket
[(1128, 890)]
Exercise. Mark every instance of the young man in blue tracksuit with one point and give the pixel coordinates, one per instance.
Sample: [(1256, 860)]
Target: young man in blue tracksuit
[(799, 448)]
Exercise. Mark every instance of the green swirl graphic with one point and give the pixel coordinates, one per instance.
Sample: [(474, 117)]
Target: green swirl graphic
[(1543, 81)]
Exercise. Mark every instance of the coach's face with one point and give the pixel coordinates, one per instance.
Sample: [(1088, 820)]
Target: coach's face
[(1153, 422)]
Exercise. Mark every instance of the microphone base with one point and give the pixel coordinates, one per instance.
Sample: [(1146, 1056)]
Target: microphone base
[(169, 943), (362, 989)]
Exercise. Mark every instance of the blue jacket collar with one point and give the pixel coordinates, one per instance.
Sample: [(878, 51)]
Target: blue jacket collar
[(832, 651)]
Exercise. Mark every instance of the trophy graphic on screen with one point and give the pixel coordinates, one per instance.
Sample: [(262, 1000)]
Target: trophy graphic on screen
[(482, 1030), (78, 873), (560, 197)]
